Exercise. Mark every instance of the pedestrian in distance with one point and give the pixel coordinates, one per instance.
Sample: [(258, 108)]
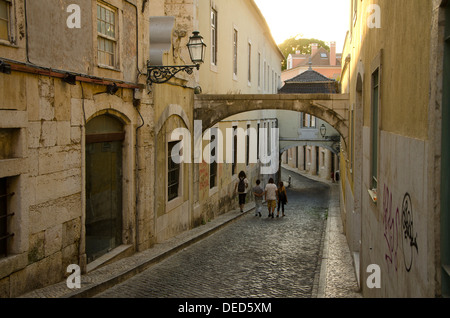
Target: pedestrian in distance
[(241, 188), (281, 197), (258, 192), (271, 197)]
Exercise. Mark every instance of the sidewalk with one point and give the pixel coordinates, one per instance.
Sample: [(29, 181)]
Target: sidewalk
[(337, 277)]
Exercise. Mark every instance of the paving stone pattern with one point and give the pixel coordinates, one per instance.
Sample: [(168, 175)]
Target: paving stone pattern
[(252, 257), (239, 255)]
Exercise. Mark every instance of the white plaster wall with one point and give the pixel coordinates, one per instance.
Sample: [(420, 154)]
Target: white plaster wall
[(394, 230)]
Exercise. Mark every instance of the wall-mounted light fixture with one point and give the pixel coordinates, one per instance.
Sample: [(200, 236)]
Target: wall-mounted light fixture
[(162, 74), (112, 89), (5, 68), (70, 79)]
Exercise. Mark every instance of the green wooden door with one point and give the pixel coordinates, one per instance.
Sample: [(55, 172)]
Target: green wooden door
[(104, 136)]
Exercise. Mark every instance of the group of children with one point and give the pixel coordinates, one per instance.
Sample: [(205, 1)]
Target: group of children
[(271, 193)]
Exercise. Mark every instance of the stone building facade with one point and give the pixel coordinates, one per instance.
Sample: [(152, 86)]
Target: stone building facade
[(85, 169), (392, 199)]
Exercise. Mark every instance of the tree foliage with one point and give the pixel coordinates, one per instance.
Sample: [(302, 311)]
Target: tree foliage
[(291, 45)]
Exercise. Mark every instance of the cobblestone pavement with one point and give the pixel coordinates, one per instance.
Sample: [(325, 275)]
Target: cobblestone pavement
[(253, 257), (247, 256)]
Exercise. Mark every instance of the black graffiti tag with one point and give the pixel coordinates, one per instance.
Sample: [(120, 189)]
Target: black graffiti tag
[(409, 242)]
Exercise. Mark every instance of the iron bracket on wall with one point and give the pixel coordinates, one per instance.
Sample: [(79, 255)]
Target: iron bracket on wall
[(162, 74)]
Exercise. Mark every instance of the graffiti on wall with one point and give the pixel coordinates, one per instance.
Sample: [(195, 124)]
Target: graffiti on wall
[(409, 237), (391, 221), (399, 227)]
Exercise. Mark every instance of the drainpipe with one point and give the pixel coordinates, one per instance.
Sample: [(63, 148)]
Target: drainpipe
[(136, 105)]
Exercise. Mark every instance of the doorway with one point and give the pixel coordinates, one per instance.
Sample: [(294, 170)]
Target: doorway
[(104, 142)]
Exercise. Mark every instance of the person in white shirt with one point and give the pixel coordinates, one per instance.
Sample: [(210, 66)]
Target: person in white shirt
[(271, 197)]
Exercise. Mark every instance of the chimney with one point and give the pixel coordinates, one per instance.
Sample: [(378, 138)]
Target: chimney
[(314, 48), (333, 54)]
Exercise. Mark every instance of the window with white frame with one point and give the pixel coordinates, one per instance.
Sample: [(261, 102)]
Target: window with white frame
[(264, 77), (249, 62), (213, 36), (308, 121), (106, 35), (259, 70), (374, 128), (5, 20), (235, 52)]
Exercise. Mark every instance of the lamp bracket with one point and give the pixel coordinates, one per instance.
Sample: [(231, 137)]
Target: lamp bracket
[(162, 74)]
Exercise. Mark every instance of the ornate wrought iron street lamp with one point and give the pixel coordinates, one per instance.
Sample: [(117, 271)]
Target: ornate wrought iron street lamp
[(323, 131), (162, 74)]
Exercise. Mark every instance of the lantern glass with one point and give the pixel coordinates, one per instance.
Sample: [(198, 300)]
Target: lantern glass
[(323, 130), (196, 48)]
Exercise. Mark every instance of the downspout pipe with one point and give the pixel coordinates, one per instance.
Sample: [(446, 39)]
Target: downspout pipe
[(136, 104)]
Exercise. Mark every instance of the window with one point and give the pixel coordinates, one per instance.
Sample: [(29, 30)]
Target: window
[(374, 129), (213, 37), (273, 81), (235, 52), (4, 215), (308, 121), (259, 69), (323, 55), (247, 159), (249, 62), (5, 19), (173, 172), (257, 141), (106, 35), (213, 164), (264, 77)]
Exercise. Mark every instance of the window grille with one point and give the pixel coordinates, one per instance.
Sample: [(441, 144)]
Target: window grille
[(4, 216), (173, 174)]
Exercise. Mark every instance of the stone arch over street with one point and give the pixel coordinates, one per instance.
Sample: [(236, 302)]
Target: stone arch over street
[(332, 108)]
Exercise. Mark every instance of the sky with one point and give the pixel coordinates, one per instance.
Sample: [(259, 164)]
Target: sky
[(326, 20)]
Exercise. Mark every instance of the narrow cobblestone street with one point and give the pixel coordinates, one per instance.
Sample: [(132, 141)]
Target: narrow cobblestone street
[(253, 257)]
